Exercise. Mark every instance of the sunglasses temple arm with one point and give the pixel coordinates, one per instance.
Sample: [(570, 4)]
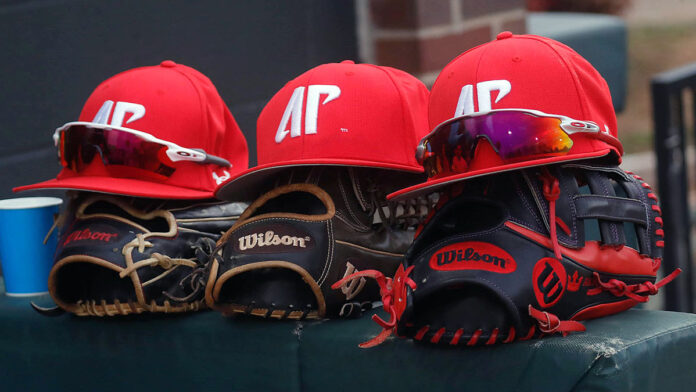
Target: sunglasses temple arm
[(213, 159)]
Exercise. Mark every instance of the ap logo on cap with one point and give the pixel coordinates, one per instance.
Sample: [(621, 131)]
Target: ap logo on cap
[(136, 110), (465, 104), (294, 110)]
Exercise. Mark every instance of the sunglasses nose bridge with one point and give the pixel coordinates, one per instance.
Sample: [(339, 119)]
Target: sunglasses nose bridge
[(101, 154)]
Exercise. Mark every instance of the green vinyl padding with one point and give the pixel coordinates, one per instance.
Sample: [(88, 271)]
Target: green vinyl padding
[(642, 350)]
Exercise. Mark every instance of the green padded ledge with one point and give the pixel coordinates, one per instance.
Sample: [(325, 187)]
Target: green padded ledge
[(636, 350)]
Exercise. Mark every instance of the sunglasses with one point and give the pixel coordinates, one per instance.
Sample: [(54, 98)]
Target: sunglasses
[(123, 149), (514, 134)]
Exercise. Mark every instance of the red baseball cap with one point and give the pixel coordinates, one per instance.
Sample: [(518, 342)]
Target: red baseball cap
[(170, 102), (342, 114), (522, 72)]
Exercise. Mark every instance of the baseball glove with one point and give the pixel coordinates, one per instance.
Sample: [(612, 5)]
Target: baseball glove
[(525, 254), (281, 257), (118, 255)]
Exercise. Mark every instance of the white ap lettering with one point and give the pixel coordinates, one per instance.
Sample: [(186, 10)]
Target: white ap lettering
[(293, 111), (136, 110), (220, 179), (465, 104)]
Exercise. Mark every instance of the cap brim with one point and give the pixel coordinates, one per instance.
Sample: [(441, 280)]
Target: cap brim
[(246, 185), (433, 185), (116, 186)]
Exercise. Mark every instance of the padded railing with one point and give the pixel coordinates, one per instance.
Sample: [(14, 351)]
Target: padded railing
[(669, 115)]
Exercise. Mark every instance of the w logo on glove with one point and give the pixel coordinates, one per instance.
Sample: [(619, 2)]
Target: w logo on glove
[(549, 280)]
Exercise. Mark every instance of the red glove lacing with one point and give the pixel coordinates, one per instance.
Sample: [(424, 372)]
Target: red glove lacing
[(632, 291), (387, 290), (551, 192)]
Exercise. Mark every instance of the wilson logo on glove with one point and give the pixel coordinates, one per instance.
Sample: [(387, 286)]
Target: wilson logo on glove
[(473, 255), (87, 234), (549, 281), (270, 238)]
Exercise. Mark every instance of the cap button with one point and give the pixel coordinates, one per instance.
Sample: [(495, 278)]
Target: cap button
[(347, 62), (168, 64), (504, 35)]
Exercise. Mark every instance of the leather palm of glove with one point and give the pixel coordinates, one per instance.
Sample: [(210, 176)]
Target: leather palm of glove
[(525, 254), (286, 250), (122, 255)]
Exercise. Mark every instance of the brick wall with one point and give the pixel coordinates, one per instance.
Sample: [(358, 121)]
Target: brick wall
[(422, 36)]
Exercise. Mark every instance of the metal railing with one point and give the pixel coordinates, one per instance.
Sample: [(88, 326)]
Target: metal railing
[(668, 102)]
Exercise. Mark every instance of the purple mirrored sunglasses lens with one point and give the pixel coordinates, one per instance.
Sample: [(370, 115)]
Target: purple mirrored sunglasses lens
[(514, 135)]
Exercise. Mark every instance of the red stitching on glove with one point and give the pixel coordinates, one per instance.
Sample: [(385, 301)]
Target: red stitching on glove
[(494, 336), (529, 334), (421, 332), (438, 335), (474, 338), (457, 335), (511, 335)]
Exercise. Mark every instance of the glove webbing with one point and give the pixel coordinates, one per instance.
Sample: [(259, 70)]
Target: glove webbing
[(614, 286)]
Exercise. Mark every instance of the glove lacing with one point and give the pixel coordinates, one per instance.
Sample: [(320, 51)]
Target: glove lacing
[(632, 291), (405, 214), (552, 191), (155, 259), (387, 290), (196, 280)]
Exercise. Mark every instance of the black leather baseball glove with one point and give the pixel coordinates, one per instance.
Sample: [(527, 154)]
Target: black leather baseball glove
[(524, 254), (121, 255)]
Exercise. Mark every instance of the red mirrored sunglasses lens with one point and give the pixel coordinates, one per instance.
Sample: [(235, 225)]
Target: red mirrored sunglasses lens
[(118, 151), (514, 135)]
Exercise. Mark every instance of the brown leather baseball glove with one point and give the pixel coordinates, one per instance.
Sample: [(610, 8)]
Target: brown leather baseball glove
[(281, 257)]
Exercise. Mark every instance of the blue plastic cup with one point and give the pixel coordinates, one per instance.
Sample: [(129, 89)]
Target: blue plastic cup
[(26, 260)]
